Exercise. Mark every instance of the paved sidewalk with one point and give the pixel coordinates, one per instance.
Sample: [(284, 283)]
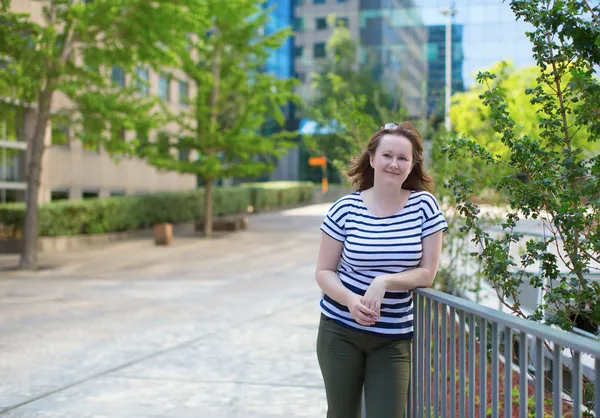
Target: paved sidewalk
[(210, 329)]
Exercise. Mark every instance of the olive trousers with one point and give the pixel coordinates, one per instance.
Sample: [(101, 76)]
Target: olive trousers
[(350, 359)]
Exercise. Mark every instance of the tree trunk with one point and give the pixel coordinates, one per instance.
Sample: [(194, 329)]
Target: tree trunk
[(208, 207), (214, 100), (34, 172)]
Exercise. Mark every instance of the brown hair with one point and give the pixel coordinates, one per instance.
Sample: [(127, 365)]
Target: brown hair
[(363, 175)]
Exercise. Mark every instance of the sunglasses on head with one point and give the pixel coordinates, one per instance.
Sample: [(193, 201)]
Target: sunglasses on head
[(390, 125)]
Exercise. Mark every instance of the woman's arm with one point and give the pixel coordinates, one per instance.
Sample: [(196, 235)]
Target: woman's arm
[(329, 282), (422, 276)]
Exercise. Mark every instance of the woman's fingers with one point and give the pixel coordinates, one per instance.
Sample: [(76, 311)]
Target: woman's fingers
[(367, 310)]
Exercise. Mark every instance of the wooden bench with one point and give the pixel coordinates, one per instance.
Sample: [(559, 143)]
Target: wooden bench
[(226, 223)]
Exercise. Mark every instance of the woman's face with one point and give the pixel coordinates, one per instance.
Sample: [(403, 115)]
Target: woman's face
[(393, 160)]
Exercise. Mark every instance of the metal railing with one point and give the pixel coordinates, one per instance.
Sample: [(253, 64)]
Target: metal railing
[(456, 340)]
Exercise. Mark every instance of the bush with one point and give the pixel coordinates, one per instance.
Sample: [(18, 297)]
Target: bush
[(127, 213), (113, 214), (272, 195)]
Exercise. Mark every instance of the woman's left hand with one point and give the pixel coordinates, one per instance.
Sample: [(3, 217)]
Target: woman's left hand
[(374, 295)]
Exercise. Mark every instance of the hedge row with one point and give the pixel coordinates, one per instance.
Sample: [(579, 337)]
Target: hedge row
[(273, 195), (125, 213)]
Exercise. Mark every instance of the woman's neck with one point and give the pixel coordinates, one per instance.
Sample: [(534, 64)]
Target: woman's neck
[(388, 196)]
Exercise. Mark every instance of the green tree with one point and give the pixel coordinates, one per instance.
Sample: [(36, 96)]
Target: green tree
[(350, 103), (472, 118), (562, 190), (235, 123), (71, 54)]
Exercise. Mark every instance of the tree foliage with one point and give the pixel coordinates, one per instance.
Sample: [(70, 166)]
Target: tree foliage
[(562, 173), (69, 55), (472, 118), (234, 125)]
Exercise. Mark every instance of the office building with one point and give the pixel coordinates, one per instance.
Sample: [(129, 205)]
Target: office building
[(390, 37), (484, 32)]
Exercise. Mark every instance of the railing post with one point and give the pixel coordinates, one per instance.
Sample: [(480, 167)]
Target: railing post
[(523, 381), (428, 357), (472, 374), (508, 373), (495, 370), (557, 386), (482, 367), (462, 361), (453, 362), (420, 366), (444, 353), (436, 358)]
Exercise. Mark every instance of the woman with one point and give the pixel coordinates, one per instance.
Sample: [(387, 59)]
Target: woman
[(377, 245)]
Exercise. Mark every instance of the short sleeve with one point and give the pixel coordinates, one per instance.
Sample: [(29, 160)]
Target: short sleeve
[(433, 218), (334, 223)]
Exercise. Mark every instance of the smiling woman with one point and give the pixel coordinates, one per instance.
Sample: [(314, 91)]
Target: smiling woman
[(377, 245)]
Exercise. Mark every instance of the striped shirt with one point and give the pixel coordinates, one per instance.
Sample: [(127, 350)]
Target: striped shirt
[(375, 245)]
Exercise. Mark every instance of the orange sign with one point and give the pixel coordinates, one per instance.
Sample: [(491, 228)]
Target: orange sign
[(322, 161)]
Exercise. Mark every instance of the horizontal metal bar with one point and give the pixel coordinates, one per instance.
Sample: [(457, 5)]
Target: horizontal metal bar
[(535, 329)]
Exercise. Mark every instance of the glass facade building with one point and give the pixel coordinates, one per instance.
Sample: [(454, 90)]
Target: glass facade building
[(281, 64), (281, 61), (393, 38), (484, 32)]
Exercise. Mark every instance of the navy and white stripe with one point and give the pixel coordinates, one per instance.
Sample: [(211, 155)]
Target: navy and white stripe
[(376, 245)]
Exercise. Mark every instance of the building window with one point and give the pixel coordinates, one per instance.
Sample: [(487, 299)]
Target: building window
[(183, 93), (118, 75), (164, 143), (59, 194), (142, 80), (298, 2), (342, 1), (89, 194), (164, 88), (301, 77), (91, 131), (298, 24), (342, 22), (319, 50), (184, 154), (321, 23), (60, 131), (298, 51), (114, 193), (318, 1)]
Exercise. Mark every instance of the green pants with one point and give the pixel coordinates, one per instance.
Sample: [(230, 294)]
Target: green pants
[(349, 359)]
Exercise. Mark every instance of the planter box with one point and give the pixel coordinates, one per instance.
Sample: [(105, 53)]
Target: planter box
[(163, 234)]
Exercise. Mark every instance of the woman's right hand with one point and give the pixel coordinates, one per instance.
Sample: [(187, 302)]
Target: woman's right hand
[(360, 313)]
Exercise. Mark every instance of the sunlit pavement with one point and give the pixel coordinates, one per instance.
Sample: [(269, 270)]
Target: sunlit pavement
[(204, 328)]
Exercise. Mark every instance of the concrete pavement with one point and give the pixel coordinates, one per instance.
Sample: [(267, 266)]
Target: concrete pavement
[(224, 328)]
